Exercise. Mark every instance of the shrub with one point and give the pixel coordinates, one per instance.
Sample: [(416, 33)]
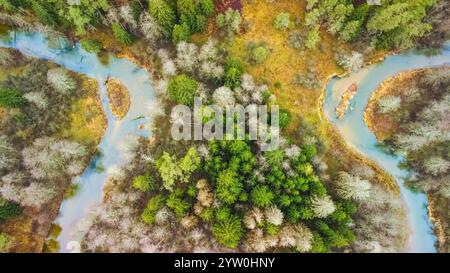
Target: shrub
[(285, 118), (207, 7), (8, 210), (182, 89), (352, 62), (262, 196), (233, 77), (163, 14), (91, 46), (389, 104), (4, 242), (153, 206), (228, 187), (176, 203), (144, 183), (313, 38), (11, 98), (121, 34), (259, 54), (180, 33), (61, 81), (282, 21), (229, 231), (230, 21)]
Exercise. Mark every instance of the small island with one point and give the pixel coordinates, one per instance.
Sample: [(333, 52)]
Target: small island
[(348, 95), (119, 99)]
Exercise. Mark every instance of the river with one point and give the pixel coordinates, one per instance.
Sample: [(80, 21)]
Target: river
[(356, 133), (113, 144), (139, 84)]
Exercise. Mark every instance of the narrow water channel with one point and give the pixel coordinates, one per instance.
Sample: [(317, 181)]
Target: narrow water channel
[(356, 133), (139, 84), (117, 134)]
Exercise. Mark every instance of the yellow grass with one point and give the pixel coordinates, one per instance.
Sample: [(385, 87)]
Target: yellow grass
[(285, 62), (119, 99), (21, 235), (88, 122)]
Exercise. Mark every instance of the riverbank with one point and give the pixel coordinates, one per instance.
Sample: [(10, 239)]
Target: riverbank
[(285, 62), (85, 124), (411, 87), (306, 104), (384, 125)]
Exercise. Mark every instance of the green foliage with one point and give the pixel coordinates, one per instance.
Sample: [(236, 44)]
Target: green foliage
[(235, 63), (187, 13), (222, 213), (182, 89), (228, 187), (235, 156), (259, 54), (163, 14), (282, 21), (233, 77), (121, 34), (180, 18), (168, 170), (71, 191), (8, 210), (172, 170), (4, 241), (271, 229), (229, 22), (262, 196), (60, 14), (207, 7), (285, 118), (234, 69), (313, 38), (144, 183), (192, 191), (177, 204), (228, 231), (42, 12), (399, 24), (91, 46), (394, 24), (189, 164), (153, 206), (207, 215), (274, 158), (180, 33), (11, 98)]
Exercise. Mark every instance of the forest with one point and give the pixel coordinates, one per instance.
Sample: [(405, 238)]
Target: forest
[(418, 127), (312, 194)]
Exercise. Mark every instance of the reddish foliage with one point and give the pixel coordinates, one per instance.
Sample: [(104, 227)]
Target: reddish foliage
[(224, 5)]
